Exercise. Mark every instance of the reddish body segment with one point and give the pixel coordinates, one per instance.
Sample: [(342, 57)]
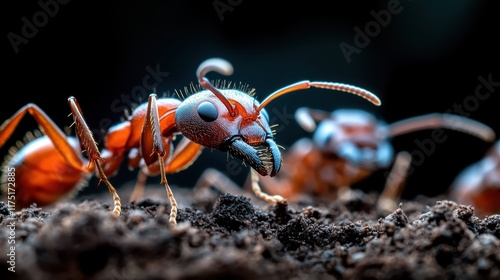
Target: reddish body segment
[(40, 167)]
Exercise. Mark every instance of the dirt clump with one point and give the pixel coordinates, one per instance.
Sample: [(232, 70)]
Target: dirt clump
[(231, 236)]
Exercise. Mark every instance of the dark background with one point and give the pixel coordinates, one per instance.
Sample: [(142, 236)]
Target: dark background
[(426, 59)]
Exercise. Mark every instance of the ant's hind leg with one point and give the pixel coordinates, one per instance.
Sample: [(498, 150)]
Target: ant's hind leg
[(49, 128)]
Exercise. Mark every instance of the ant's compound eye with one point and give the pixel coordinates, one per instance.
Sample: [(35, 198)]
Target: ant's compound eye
[(265, 114), (207, 111)]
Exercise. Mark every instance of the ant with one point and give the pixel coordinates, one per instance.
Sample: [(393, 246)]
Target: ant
[(227, 119), (479, 184), (348, 145)]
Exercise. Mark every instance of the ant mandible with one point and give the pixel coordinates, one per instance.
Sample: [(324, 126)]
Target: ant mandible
[(226, 119), (479, 184), (348, 145)]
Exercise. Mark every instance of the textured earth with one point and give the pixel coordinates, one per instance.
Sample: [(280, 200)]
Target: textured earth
[(226, 236)]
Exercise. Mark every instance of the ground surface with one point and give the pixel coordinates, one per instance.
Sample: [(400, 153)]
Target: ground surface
[(225, 236)]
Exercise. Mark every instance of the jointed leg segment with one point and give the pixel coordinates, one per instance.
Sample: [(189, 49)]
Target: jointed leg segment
[(49, 128), (117, 206), (87, 141), (61, 144), (395, 182), (152, 143), (258, 191)]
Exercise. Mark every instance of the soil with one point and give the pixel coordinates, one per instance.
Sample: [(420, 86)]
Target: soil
[(237, 236)]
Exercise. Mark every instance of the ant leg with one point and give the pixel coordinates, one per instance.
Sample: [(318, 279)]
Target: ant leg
[(151, 145), (87, 141), (214, 178), (61, 143), (49, 128), (117, 206), (170, 194), (395, 182), (139, 186), (183, 156), (258, 191), (277, 185)]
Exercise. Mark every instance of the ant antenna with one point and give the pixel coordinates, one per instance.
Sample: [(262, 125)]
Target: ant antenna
[(220, 66), (326, 85)]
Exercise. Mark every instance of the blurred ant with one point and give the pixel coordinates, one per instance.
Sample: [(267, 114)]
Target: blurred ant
[(227, 119), (479, 184), (348, 145)]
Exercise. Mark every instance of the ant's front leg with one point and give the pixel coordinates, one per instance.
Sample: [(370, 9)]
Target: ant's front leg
[(259, 193), (223, 184), (183, 156), (154, 151)]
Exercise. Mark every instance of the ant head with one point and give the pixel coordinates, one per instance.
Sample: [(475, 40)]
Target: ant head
[(232, 120), (354, 135), (229, 120)]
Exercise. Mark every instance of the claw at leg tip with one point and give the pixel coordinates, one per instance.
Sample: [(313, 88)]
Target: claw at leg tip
[(173, 223), (279, 199)]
